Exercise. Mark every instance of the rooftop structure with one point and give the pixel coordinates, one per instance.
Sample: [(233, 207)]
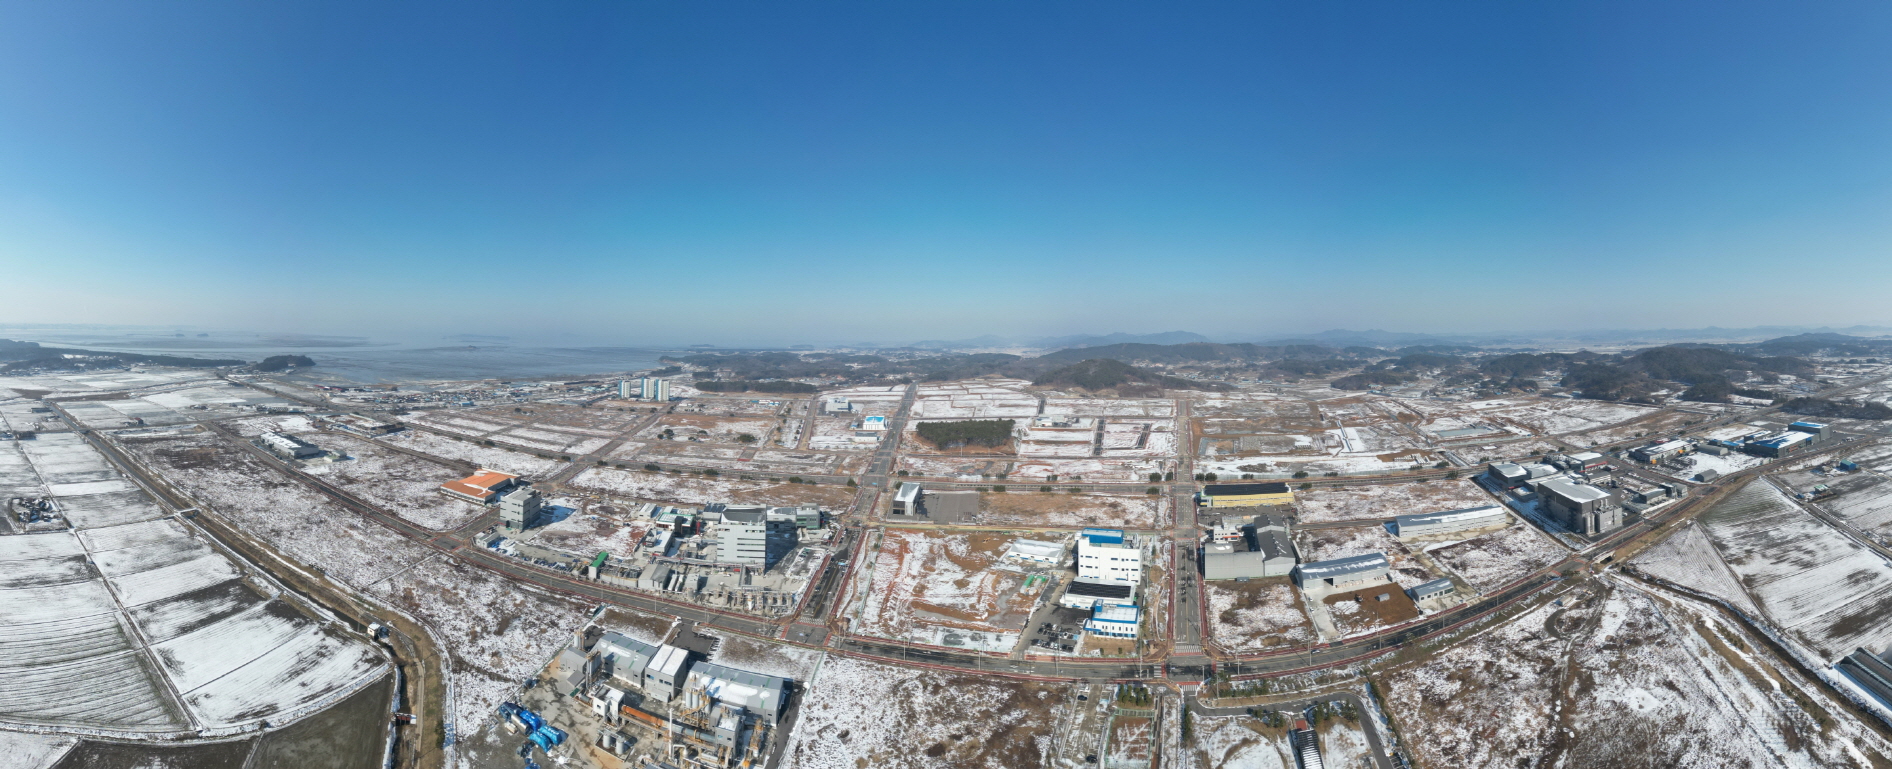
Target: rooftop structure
[(754, 692), (1105, 557), (1437, 587), (1466, 519), (520, 508), (874, 424), (1783, 443), (1344, 571), (906, 499), (1870, 672), (482, 486), (1656, 452), (1115, 619), (288, 447), (1035, 553), (748, 535), (361, 425), (1245, 495), (663, 677)]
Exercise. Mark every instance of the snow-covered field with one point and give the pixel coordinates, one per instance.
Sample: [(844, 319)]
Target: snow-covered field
[(497, 631), (1695, 464), (233, 656), (1823, 589), (1386, 500), (1494, 560), (516, 463), (1232, 742), (695, 490), (266, 504), (927, 580), (1867, 505), (859, 713), (1560, 417), (1639, 682), (395, 482), (1689, 559), (1122, 511), (1256, 616), (1105, 407), (1099, 470)]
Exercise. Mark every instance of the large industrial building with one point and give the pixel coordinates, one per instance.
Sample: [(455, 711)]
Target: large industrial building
[(1798, 437), (1245, 495), (750, 536), (1580, 507), (1341, 572), (1450, 521), (1109, 566), (1655, 453), (1231, 554), (483, 486), (722, 711), (288, 447)]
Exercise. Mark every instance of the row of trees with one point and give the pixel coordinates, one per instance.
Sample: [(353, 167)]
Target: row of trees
[(976, 432)]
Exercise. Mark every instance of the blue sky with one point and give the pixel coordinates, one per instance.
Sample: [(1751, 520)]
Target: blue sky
[(784, 172)]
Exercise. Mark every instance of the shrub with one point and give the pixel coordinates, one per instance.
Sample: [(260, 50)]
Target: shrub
[(652, 468)]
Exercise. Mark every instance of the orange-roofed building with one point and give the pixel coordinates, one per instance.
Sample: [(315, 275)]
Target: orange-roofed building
[(480, 487)]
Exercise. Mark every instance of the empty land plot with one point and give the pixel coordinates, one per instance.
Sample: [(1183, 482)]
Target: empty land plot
[(922, 718), (1644, 683), (1105, 407), (1328, 544), (679, 489), (457, 422), (1562, 417), (496, 631), (1129, 741), (270, 506), (1654, 424), (1237, 742), (1826, 591), (1074, 510), (395, 482), (1257, 615), (766, 657), (1531, 448), (833, 434), (1364, 610), (598, 527), (1095, 470), (710, 429), (1491, 561), (1383, 501), (925, 581), (488, 457), (955, 467)]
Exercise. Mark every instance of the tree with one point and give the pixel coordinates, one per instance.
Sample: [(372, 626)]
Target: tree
[(902, 473), (1300, 473), (1152, 491), (1208, 477), (1044, 489), (998, 488), (652, 468), (794, 479), (1169, 476), (851, 484), (745, 438), (1156, 477), (710, 473)]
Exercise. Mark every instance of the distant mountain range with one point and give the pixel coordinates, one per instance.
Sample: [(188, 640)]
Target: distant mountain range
[(1342, 338)]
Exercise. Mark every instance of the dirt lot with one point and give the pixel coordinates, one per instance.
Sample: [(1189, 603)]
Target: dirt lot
[(681, 489), (925, 582), (1359, 611)]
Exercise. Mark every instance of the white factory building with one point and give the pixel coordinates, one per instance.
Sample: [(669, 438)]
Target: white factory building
[(1450, 521)]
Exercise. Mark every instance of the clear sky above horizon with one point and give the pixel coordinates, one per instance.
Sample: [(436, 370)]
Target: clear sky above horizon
[(646, 172)]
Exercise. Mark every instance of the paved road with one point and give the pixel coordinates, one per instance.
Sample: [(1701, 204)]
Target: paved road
[(1368, 723)]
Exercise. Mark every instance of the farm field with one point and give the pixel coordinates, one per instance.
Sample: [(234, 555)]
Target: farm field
[(1257, 615), (1689, 559), (1792, 563), (1491, 561), (1382, 501), (1562, 417), (922, 718)]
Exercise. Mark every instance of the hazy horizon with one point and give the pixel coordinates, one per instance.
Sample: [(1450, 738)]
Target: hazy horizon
[(831, 173)]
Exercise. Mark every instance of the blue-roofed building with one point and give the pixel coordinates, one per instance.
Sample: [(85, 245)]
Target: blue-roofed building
[(1115, 619), (1103, 536)]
